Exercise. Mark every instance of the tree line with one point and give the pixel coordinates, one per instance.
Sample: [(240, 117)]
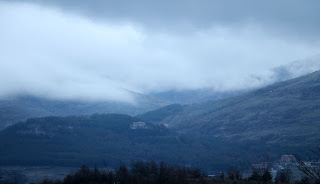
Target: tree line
[(138, 173)]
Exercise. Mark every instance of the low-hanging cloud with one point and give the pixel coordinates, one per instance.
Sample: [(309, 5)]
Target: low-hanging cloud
[(55, 54)]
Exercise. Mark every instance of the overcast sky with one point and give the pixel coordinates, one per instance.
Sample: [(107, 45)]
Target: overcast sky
[(81, 49)]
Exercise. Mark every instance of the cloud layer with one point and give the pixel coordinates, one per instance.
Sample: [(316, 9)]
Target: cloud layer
[(56, 53)]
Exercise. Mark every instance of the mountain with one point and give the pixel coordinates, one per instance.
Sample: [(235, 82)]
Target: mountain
[(285, 116), (296, 69), (70, 140), (194, 96), (287, 71), (278, 74), (157, 116), (20, 108), (115, 138)]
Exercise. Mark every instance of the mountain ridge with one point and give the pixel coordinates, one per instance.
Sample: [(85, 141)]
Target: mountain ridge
[(293, 102), (283, 118), (20, 108)]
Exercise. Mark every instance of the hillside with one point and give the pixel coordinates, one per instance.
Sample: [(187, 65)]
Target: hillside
[(195, 96), (286, 113), (283, 118), (72, 141), (15, 109), (280, 73), (156, 116)]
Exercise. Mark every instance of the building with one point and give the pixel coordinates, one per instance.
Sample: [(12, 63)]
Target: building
[(138, 125), (261, 166)]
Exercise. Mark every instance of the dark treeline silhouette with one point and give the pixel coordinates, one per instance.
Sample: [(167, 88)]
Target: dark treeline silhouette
[(264, 176), (139, 173), (162, 173)]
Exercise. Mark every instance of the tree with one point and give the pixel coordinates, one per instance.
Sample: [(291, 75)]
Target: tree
[(311, 169), (123, 174), (164, 173), (284, 176), (221, 176), (266, 177), (234, 174), (305, 180), (255, 176), (139, 173)]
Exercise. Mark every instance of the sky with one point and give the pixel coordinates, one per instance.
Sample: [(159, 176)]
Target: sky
[(103, 49)]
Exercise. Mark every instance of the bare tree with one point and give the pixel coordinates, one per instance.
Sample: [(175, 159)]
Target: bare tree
[(311, 168)]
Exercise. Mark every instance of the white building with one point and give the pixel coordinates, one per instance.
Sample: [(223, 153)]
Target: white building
[(138, 125)]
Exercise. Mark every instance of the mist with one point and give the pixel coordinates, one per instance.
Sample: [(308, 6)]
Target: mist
[(56, 53)]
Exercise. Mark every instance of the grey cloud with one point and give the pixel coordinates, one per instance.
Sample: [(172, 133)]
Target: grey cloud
[(295, 18), (52, 52)]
